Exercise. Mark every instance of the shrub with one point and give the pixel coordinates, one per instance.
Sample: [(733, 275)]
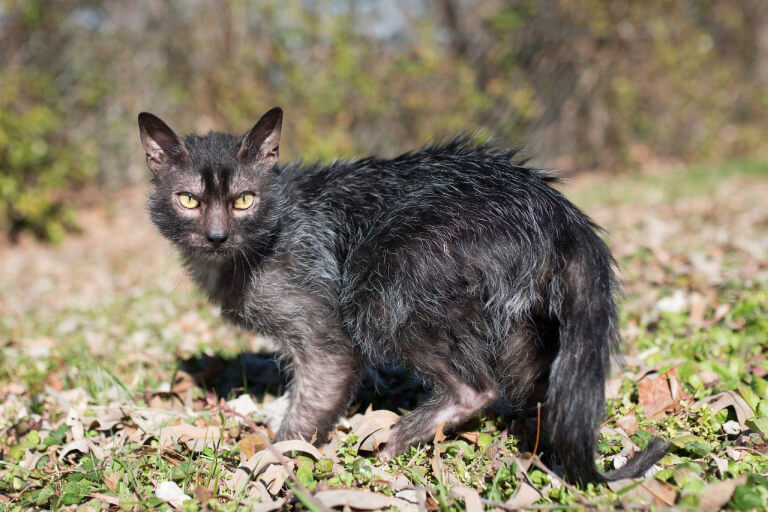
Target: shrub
[(39, 167)]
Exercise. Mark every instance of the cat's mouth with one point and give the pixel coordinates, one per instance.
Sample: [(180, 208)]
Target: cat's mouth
[(216, 254)]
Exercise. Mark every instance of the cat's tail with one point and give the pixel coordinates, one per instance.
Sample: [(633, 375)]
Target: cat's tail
[(576, 394)]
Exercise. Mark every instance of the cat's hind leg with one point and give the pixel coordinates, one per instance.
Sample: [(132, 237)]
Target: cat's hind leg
[(454, 401)]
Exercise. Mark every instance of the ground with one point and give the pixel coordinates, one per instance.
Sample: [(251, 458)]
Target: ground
[(121, 388)]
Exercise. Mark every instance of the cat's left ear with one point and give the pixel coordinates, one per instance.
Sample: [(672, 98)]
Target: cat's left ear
[(261, 145)]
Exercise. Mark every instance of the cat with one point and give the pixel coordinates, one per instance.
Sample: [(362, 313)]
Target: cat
[(454, 260)]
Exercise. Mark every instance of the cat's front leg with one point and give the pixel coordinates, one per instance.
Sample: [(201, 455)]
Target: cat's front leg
[(325, 378)]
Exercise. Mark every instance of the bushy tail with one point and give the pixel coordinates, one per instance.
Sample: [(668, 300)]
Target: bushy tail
[(576, 394)]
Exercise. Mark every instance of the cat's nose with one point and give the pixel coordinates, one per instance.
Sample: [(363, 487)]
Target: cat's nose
[(217, 238)]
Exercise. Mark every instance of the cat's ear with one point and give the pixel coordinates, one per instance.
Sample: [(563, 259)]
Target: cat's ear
[(261, 145), (164, 149)]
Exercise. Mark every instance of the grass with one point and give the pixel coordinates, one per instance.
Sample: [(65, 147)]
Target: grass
[(104, 343)]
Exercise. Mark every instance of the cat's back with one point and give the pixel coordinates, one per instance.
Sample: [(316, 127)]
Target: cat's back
[(453, 180)]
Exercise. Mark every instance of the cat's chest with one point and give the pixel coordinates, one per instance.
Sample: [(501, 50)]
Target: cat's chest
[(271, 302)]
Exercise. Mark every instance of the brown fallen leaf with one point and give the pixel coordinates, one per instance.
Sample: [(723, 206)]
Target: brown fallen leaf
[(675, 387), (439, 435), (628, 424), (105, 498), (203, 494), (182, 382), (260, 460), (658, 393), (651, 490), (268, 506), (697, 308), (729, 399), (194, 438), (470, 496), (75, 446), (469, 436), (717, 494), (362, 500), (372, 428), (111, 480), (274, 477), (526, 496), (253, 443)]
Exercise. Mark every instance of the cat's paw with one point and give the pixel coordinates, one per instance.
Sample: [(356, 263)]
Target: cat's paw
[(391, 450)]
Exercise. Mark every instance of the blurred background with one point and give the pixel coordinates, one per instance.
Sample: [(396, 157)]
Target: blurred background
[(583, 84)]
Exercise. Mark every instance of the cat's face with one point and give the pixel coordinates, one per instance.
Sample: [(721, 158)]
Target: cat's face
[(208, 196)]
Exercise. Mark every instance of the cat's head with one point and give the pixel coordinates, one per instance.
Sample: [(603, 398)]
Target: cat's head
[(209, 196)]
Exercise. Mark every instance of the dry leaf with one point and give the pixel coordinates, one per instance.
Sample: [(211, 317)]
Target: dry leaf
[(657, 393), (253, 443), (651, 490), (105, 498), (471, 499), (194, 438), (75, 425), (182, 382), (697, 309), (203, 494), (244, 406), (382, 475), (654, 395), (264, 458), (717, 494), (362, 500), (267, 506), (400, 483), (372, 428), (469, 436), (628, 424), (526, 496), (78, 446), (258, 488), (720, 463), (96, 450), (729, 399), (170, 492), (111, 480), (104, 418), (439, 435), (275, 476)]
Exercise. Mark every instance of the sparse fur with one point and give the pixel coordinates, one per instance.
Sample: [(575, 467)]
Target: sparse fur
[(453, 260)]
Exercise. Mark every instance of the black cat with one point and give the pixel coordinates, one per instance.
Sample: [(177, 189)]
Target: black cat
[(453, 260)]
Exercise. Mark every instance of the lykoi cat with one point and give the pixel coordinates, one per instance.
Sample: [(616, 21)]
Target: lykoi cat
[(452, 260)]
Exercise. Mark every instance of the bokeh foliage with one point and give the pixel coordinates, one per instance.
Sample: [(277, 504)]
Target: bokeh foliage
[(582, 83), (40, 164)]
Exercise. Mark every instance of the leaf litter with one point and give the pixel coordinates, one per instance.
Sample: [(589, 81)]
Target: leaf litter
[(98, 408)]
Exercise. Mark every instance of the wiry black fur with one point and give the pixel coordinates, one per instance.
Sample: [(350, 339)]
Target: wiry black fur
[(452, 259)]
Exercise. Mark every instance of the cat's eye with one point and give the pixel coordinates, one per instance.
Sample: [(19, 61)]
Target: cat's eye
[(187, 200), (243, 201)]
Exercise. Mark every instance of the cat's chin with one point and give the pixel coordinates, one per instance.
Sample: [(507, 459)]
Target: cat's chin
[(212, 256)]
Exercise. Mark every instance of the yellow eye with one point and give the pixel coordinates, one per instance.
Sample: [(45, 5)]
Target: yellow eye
[(187, 200), (243, 201)]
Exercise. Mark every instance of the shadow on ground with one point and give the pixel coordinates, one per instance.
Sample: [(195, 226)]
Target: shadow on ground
[(389, 387)]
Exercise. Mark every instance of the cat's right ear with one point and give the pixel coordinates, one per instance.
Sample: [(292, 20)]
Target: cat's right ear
[(164, 149)]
